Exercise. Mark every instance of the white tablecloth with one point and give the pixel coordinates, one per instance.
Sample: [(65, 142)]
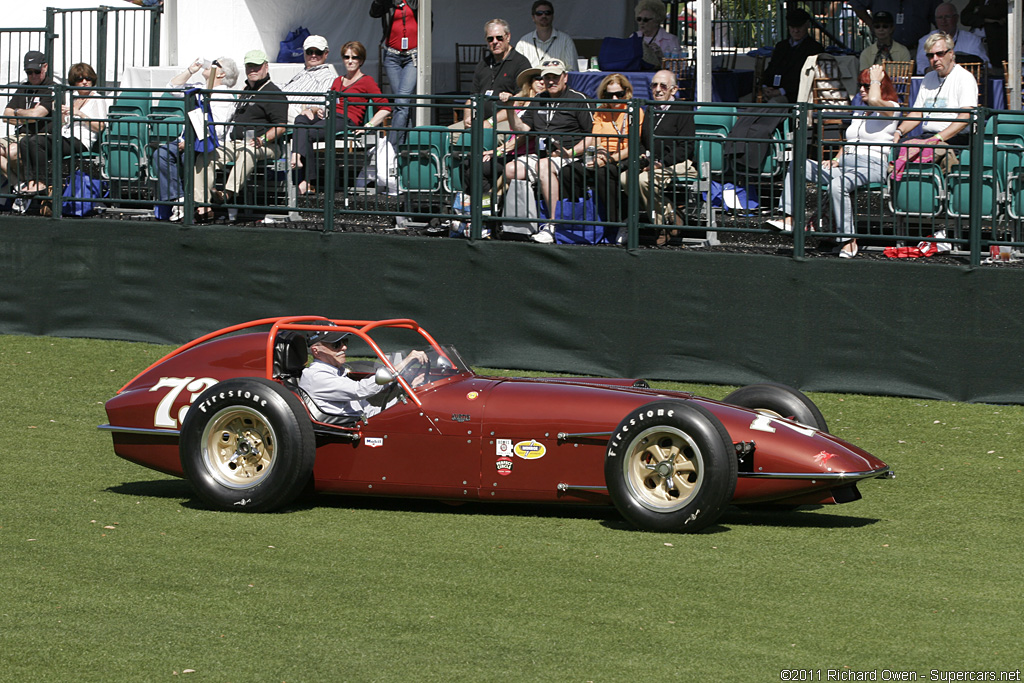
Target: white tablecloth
[(159, 76)]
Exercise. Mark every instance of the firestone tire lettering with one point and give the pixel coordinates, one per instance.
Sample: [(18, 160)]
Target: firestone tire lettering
[(671, 466), (250, 446)]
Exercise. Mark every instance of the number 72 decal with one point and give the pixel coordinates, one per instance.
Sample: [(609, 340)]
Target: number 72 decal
[(163, 417)]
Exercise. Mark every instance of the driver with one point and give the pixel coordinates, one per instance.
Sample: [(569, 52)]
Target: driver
[(326, 380)]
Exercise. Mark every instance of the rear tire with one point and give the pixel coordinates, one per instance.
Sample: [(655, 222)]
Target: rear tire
[(247, 444), (779, 400), (671, 466)]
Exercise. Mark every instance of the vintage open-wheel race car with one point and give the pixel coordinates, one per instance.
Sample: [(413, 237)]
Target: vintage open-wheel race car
[(226, 412)]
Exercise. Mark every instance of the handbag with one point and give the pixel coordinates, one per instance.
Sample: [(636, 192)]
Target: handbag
[(290, 49), (84, 189), (584, 212)]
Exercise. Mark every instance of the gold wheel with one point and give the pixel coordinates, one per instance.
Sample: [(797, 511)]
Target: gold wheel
[(664, 468), (239, 446)]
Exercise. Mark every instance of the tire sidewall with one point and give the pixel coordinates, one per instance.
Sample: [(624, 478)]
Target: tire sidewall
[(780, 399), (295, 448), (717, 462)]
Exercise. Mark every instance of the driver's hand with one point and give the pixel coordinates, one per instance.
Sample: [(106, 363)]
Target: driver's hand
[(419, 379)]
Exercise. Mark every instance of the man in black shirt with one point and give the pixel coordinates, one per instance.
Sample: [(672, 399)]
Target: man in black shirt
[(669, 150), (28, 110), (497, 70), (560, 120), (258, 127)]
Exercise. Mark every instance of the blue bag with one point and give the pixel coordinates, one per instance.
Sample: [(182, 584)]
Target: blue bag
[(210, 142), (584, 212), (732, 197), (291, 47), (621, 54), (84, 189)]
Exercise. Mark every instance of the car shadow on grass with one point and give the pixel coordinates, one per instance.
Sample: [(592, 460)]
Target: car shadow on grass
[(807, 517)]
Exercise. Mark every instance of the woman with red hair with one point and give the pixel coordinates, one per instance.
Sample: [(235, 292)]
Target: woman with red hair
[(862, 160)]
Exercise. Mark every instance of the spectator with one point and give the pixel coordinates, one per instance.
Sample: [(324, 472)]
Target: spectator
[(77, 136), (913, 19), (668, 147), (311, 125), (258, 123), (884, 49), (947, 21), (398, 19), (946, 86), (657, 41), (28, 111), (221, 74), (561, 120), (327, 383), (545, 42), (316, 77), (862, 160), (780, 81), (497, 70), (601, 170), (990, 17), (531, 85)]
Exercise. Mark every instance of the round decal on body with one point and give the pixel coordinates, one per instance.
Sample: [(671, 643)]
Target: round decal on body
[(504, 466), (472, 396)]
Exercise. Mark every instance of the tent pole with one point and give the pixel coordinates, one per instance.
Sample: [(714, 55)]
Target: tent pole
[(425, 60)]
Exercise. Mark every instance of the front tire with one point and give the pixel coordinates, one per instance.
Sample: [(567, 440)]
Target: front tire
[(247, 444), (779, 400), (671, 466)]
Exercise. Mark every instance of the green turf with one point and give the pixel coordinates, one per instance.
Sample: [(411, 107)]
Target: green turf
[(111, 572)]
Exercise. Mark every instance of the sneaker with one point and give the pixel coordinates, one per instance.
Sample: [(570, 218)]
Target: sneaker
[(545, 235), (781, 225), (176, 214)]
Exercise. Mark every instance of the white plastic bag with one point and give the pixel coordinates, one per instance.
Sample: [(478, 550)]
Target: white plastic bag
[(383, 166)]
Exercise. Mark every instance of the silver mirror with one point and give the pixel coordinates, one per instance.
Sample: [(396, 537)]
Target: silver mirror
[(383, 376)]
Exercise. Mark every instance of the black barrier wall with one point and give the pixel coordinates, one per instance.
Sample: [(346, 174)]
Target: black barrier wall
[(819, 324)]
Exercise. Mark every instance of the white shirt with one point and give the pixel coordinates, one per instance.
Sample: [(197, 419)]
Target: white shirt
[(336, 393), (958, 90), (558, 46), (963, 41), (95, 107), (317, 79), (871, 127)]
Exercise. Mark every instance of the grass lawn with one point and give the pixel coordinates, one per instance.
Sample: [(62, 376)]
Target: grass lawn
[(112, 572)]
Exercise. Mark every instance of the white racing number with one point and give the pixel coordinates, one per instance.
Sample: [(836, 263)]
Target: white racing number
[(765, 423), (163, 417)]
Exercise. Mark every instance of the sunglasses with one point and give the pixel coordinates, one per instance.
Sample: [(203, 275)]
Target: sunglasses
[(33, 72), (660, 86), (644, 20), (83, 83), (615, 93), (863, 85), (350, 58), (543, 13), (495, 39), (932, 55), (313, 52)]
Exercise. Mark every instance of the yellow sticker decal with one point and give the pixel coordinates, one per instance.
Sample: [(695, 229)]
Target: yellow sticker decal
[(529, 450)]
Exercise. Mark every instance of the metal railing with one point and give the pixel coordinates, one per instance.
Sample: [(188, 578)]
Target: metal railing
[(743, 161)]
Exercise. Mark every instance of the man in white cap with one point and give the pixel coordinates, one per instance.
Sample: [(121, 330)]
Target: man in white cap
[(257, 133), (316, 77), (561, 119)]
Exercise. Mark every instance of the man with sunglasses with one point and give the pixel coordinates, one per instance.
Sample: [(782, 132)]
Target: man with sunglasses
[(28, 110), (947, 20), (947, 86), (497, 70), (326, 380), (545, 42), (316, 77), (884, 49), (666, 149), (780, 81)]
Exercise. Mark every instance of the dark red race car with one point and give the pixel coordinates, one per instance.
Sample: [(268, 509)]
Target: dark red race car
[(226, 412)]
